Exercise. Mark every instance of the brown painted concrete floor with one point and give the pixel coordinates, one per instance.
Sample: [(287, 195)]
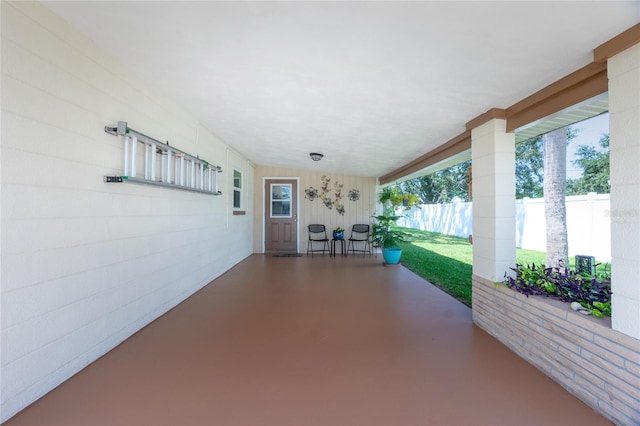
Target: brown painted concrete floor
[(302, 341)]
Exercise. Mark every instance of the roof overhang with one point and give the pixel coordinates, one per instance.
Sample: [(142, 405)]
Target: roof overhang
[(576, 97)]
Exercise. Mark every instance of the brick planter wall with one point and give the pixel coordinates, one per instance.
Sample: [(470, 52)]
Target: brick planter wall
[(589, 359)]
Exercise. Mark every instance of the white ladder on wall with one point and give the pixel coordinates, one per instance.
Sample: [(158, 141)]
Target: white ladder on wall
[(144, 156)]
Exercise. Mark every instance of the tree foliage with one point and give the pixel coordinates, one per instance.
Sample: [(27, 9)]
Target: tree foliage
[(595, 169), (529, 168), (445, 185), (440, 187)]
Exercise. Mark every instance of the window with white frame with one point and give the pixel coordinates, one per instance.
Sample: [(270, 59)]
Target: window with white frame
[(237, 190)]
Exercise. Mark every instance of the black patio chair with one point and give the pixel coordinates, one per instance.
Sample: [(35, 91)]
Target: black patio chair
[(318, 234), (360, 240)]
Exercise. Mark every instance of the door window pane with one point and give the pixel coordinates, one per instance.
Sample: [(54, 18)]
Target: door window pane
[(280, 200)]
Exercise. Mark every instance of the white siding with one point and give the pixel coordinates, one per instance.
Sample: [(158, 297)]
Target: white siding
[(86, 264)]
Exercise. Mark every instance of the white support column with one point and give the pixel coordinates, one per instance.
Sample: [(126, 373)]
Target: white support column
[(624, 130), (494, 225)]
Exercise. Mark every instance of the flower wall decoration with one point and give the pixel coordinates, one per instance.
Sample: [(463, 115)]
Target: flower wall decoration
[(325, 194), (311, 193)]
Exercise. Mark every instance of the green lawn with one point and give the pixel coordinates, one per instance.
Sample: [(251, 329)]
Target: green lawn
[(446, 261), (440, 259)]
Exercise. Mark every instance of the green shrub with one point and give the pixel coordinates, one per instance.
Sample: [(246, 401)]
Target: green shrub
[(592, 292)]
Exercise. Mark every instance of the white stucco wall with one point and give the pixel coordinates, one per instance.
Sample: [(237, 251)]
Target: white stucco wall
[(86, 264)]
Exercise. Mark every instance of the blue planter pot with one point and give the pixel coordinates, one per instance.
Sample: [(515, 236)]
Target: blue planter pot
[(391, 256), (338, 235)]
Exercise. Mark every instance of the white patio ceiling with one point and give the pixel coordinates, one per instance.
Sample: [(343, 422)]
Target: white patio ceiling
[(371, 85)]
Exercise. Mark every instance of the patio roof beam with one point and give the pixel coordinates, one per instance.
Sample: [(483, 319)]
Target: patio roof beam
[(579, 86), (618, 44), (585, 83), (454, 146), (494, 113)]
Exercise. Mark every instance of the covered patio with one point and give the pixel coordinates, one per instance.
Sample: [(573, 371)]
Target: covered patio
[(311, 341), (112, 113)]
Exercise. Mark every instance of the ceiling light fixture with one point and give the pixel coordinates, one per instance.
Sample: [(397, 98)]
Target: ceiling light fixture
[(316, 156)]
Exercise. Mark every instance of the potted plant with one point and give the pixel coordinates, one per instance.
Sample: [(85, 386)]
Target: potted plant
[(387, 237), (338, 233), (391, 197), (410, 200)]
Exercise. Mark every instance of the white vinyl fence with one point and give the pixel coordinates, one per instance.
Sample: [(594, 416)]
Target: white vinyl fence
[(588, 223)]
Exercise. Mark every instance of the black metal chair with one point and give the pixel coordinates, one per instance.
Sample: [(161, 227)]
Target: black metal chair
[(360, 240), (318, 234)]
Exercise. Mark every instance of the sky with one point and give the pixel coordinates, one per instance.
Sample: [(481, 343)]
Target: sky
[(591, 131)]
